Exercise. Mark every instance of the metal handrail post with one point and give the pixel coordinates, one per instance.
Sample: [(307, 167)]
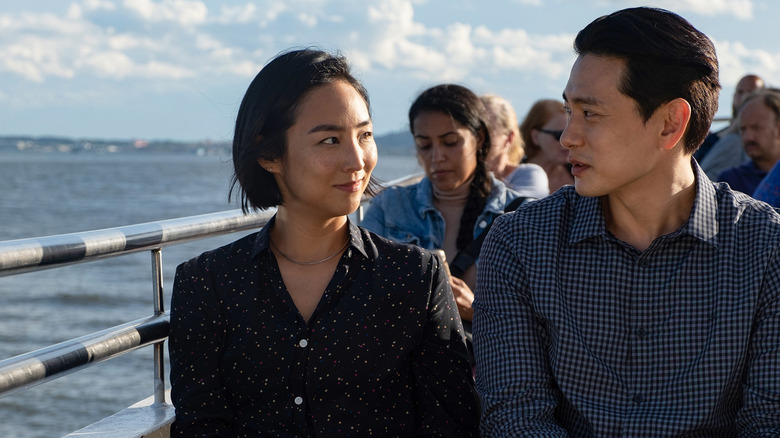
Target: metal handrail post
[(159, 308)]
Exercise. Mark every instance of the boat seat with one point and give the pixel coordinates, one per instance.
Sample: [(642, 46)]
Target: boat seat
[(144, 419)]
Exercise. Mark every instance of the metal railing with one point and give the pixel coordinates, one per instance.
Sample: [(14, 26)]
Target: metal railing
[(36, 254)]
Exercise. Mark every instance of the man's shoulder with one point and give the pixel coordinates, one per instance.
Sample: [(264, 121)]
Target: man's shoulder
[(741, 210), (547, 211)]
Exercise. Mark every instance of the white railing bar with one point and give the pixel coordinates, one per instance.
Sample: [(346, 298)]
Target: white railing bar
[(34, 254), (33, 368)]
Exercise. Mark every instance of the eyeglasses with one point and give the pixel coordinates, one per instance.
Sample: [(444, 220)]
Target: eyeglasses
[(556, 134)]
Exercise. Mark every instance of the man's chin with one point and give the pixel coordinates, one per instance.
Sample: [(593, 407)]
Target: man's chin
[(583, 189)]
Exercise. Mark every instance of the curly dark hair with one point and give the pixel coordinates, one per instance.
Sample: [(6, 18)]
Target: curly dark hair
[(462, 105)]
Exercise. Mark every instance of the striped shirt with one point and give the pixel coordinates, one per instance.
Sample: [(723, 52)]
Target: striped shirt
[(577, 333)]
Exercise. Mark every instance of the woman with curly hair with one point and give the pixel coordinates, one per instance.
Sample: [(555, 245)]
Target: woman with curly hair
[(458, 198)]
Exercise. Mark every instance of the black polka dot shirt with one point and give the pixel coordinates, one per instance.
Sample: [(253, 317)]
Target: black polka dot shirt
[(382, 355)]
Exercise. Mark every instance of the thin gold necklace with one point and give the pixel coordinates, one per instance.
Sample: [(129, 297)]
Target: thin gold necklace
[(308, 263)]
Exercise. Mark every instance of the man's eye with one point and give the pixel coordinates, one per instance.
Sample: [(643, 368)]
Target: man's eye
[(330, 140)]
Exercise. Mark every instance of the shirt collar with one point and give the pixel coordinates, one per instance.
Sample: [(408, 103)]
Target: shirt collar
[(263, 236), (588, 218), (703, 221)]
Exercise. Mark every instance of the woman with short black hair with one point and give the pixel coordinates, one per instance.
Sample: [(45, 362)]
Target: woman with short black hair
[(314, 326)]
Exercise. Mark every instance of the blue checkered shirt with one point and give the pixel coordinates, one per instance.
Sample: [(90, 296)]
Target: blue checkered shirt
[(577, 333)]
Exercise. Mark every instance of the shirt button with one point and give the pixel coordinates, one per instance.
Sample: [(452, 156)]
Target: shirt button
[(303, 343), (637, 399), (298, 400), (482, 224), (641, 333)]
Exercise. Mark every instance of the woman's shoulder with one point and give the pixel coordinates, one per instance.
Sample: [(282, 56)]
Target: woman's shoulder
[(529, 180), (530, 169), (236, 252), (396, 193), (384, 247)]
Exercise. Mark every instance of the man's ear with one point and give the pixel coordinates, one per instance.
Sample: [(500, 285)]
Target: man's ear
[(677, 115)]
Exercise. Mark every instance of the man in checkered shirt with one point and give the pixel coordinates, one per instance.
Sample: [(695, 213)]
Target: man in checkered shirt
[(645, 300)]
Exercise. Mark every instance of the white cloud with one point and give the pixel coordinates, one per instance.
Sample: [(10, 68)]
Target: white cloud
[(307, 19), (184, 12), (238, 14), (118, 65), (741, 9), (34, 59), (459, 45), (736, 60), (94, 5), (391, 43), (456, 52)]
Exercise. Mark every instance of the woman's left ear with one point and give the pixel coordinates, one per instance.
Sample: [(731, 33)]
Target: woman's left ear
[(677, 115), (269, 166)]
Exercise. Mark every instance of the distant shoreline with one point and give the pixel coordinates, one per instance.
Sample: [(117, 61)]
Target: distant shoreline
[(400, 143)]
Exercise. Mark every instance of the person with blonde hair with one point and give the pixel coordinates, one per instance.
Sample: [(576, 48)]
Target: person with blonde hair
[(541, 132), (506, 150)]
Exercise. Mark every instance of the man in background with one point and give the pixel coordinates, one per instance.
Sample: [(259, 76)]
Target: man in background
[(759, 128), (723, 149), (645, 299)]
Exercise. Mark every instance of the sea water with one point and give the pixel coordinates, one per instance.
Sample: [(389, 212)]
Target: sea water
[(54, 193)]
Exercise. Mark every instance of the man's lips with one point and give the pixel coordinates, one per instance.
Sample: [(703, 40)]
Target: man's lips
[(578, 167)]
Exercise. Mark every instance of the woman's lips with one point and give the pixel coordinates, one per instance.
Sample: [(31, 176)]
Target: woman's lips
[(353, 186)]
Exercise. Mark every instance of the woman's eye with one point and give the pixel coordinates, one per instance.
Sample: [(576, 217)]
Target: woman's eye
[(423, 146)]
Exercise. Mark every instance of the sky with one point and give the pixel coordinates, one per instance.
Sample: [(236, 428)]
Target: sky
[(178, 69)]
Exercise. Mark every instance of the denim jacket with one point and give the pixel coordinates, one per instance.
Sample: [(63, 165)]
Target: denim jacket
[(407, 214)]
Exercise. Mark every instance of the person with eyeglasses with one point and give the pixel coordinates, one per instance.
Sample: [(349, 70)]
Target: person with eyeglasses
[(541, 132)]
